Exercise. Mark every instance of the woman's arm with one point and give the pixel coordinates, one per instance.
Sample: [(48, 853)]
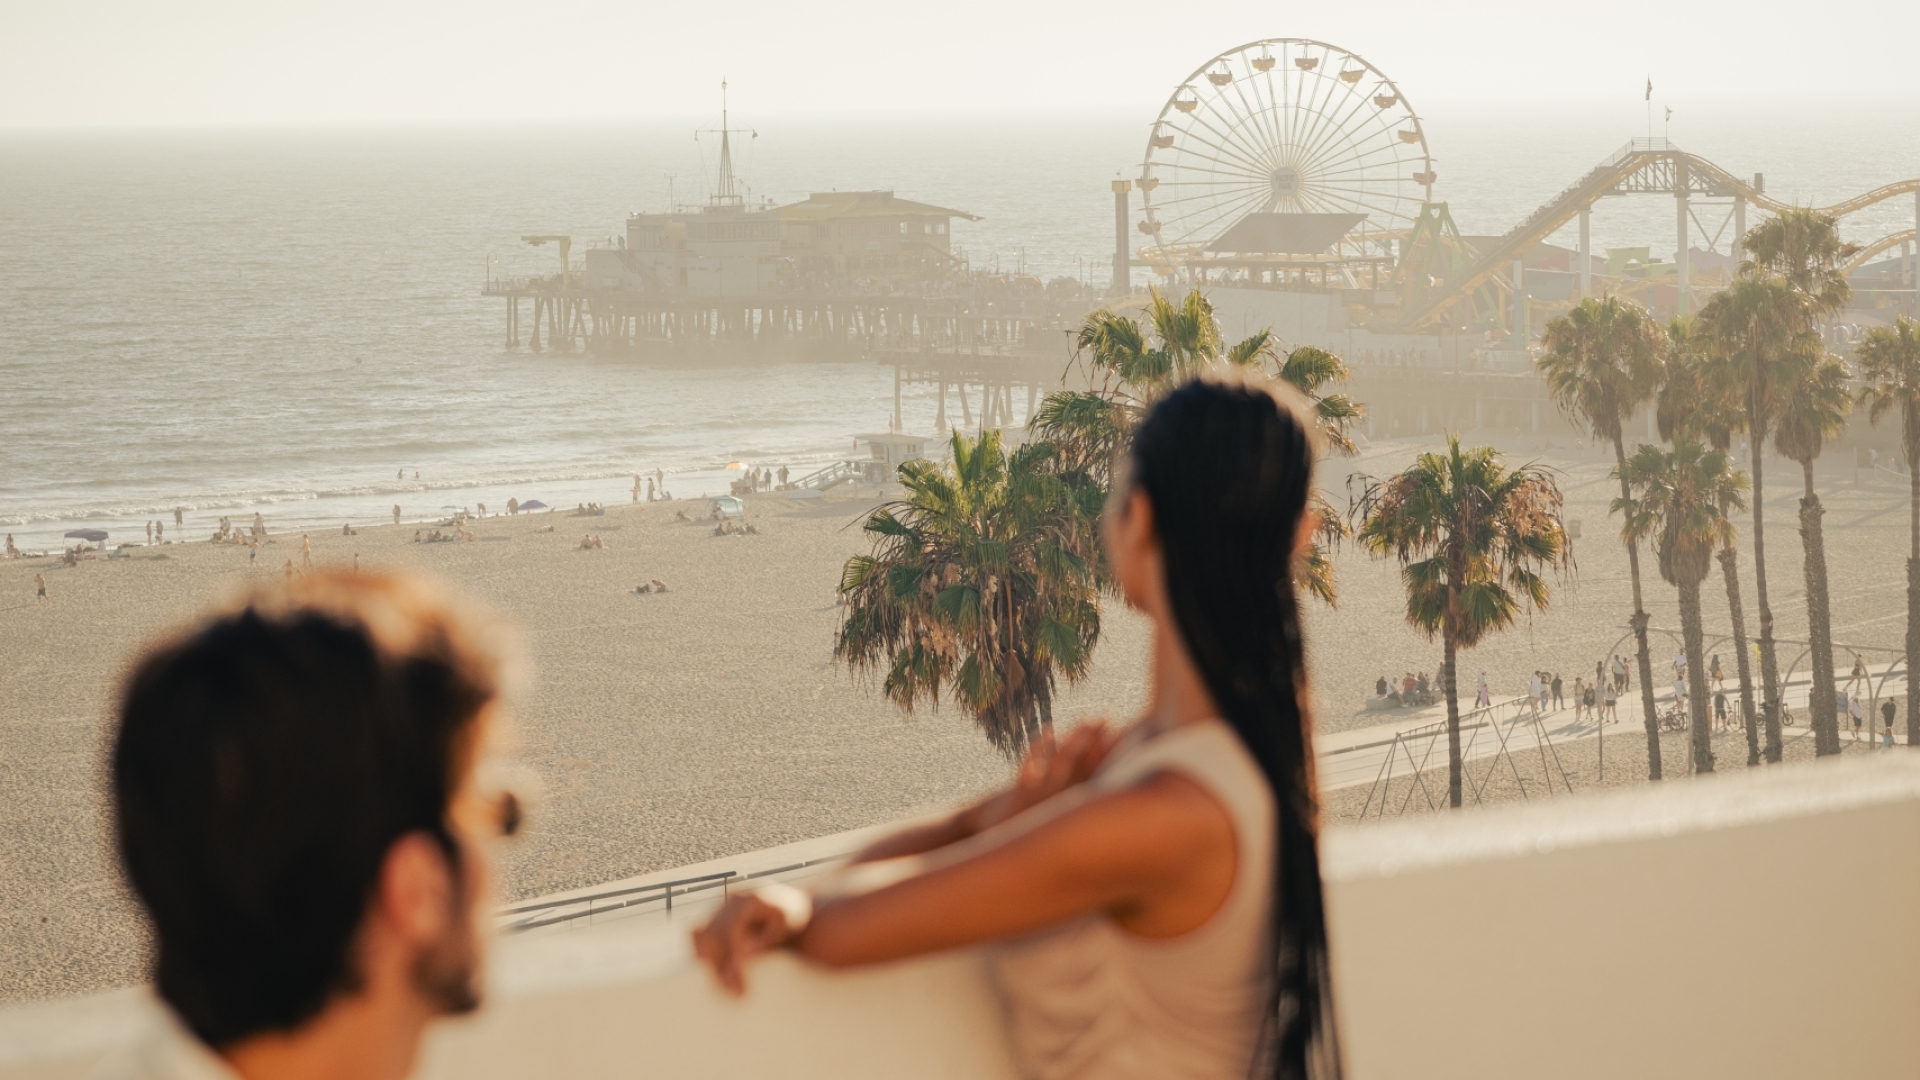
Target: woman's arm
[(1158, 857), (1049, 769)]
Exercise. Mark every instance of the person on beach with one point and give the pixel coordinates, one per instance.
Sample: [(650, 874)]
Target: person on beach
[(1579, 708), (1557, 686), (399, 474), (306, 552), (11, 551), (1150, 900), (1619, 673), (1482, 697), (297, 792), (636, 489), (159, 532), (1680, 664), (483, 508), (396, 513), (39, 587), (1720, 708), (1587, 697), (1859, 675), (1858, 713), (1613, 711), (783, 476), (178, 518), (1713, 671), (149, 532), (1886, 716)]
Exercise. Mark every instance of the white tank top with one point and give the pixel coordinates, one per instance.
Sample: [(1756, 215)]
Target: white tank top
[(1088, 999)]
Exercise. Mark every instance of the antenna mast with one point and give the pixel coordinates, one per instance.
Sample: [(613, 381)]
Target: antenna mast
[(725, 198)]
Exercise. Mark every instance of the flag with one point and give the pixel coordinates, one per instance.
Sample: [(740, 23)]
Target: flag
[(1649, 88), (1669, 112)]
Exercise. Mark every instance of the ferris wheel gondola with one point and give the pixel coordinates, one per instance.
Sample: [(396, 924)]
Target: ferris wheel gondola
[(1284, 126)]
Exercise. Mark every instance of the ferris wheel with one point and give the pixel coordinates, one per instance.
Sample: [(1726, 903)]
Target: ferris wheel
[(1284, 147)]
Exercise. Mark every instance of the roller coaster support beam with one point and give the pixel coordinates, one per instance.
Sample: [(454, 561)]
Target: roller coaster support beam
[(1520, 335), (1586, 252), (1739, 223), (1683, 266)]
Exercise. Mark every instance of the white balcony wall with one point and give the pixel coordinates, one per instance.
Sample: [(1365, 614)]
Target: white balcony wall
[(1754, 925)]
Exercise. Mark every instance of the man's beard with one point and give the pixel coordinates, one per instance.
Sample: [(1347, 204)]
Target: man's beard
[(448, 973)]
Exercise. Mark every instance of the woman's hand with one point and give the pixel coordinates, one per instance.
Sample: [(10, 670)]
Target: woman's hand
[(747, 925), (1050, 768)]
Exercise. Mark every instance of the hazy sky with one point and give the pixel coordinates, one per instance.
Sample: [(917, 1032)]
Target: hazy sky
[(93, 62)]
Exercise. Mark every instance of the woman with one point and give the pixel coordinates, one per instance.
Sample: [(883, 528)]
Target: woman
[(1153, 898)]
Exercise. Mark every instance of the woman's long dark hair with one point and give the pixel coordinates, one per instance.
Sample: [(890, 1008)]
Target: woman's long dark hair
[(1227, 467)]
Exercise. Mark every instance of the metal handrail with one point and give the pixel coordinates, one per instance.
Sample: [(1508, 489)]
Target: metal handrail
[(660, 890)]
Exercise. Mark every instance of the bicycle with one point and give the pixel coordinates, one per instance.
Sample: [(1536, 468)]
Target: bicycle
[(1674, 718)]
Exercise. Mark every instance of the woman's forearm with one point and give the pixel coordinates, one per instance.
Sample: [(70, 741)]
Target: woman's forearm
[(919, 839)]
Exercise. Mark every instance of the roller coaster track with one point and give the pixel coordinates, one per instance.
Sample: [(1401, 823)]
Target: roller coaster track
[(1878, 247), (1643, 166)]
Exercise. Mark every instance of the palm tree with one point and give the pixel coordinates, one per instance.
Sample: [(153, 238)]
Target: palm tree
[(1473, 537), (978, 587), (1813, 409), (1602, 360), (1758, 334), (1134, 364), (1700, 401), (1679, 500), (1890, 362), (1803, 246)]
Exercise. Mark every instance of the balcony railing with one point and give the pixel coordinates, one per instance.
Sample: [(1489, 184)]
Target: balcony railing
[(1751, 925)]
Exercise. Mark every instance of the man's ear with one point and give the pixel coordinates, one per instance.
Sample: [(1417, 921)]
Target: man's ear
[(414, 898)]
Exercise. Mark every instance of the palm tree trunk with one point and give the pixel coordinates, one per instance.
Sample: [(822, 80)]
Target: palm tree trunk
[(1822, 708), (1700, 724), (1769, 659), (1730, 568), (1913, 589), (1449, 685), (1642, 653)]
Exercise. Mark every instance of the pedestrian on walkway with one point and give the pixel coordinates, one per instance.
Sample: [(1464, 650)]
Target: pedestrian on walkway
[(1613, 712), (40, 588), (1886, 718), (1858, 713), (1720, 709), (1713, 670), (1483, 697), (1557, 702), (1579, 705)]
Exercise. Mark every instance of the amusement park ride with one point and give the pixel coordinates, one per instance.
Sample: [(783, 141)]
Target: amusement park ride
[(1295, 165)]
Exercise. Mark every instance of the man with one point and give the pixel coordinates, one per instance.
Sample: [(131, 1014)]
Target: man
[(1558, 687), (1886, 718), (39, 588), (396, 513), (294, 785)]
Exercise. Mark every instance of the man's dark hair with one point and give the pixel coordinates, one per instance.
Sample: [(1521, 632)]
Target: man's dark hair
[(266, 761)]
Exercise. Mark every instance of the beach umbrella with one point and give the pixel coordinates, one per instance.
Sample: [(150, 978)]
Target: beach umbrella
[(533, 504), (93, 536)]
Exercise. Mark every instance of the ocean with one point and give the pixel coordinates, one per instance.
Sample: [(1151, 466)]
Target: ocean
[(288, 320)]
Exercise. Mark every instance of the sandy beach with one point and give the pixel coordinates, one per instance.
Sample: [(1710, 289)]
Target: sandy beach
[(667, 729)]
